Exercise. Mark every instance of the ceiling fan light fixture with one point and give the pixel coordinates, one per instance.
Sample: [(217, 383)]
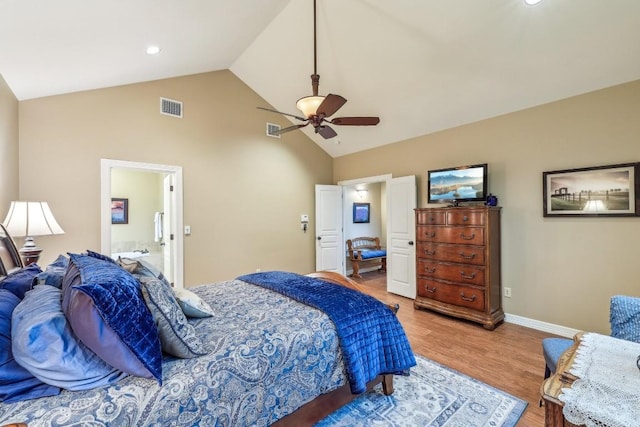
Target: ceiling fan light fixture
[(309, 105)]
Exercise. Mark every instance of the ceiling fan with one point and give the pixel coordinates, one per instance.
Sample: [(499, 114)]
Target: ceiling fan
[(317, 109)]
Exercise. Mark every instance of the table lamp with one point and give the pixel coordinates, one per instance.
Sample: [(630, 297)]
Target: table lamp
[(30, 219)]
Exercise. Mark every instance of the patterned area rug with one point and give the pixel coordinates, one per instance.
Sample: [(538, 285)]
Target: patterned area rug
[(433, 395)]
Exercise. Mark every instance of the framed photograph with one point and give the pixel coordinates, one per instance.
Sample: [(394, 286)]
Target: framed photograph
[(596, 191), (361, 212), (119, 211)]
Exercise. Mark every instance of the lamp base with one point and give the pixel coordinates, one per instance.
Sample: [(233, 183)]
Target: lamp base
[(30, 253)]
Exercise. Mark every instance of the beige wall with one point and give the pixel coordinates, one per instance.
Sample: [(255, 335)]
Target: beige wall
[(561, 270), (8, 148), (243, 191)]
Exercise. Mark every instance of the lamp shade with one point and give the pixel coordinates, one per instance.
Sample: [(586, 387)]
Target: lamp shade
[(31, 219), (309, 105)]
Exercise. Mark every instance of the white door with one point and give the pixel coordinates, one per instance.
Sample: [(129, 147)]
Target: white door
[(330, 252), (401, 253), (167, 227)]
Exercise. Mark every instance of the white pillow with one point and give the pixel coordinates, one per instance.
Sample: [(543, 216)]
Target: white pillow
[(192, 305)]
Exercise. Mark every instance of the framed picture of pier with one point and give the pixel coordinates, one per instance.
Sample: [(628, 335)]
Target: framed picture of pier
[(594, 191), (119, 211)]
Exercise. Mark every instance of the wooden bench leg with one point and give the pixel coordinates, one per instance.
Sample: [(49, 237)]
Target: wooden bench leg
[(356, 269), (383, 264)]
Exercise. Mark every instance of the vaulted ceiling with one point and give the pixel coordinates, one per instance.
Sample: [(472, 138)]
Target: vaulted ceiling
[(420, 65)]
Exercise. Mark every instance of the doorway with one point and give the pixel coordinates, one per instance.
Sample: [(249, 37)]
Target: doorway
[(398, 200), (152, 196)]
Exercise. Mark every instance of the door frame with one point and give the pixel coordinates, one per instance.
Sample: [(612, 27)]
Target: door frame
[(106, 165)]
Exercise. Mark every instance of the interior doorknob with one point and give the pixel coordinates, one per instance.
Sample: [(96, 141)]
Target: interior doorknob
[(410, 242), (319, 237)]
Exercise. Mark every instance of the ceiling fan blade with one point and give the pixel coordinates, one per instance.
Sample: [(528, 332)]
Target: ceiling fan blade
[(330, 105), (284, 114), (290, 128), (326, 131), (355, 121)]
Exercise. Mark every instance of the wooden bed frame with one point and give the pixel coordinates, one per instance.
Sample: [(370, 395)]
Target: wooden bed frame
[(306, 415)]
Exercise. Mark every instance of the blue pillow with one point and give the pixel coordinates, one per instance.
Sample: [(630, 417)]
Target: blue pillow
[(21, 281), (54, 273), (100, 256), (16, 383), (177, 336), (104, 306), (44, 344), (624, 316)]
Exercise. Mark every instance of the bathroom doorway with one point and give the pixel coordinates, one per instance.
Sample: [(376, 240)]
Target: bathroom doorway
[(150, 227)]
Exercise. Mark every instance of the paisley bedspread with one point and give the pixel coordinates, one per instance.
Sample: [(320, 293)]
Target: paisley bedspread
[(268, 355)]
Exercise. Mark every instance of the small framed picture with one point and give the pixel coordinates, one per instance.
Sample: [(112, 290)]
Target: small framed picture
[(119, 211), (361, 212), (594, 191)]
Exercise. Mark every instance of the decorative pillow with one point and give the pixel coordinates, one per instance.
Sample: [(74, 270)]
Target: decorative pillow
[(55, 356), (54, 273), (100, 256), (177, 336), (20, 281), (16, 383), (105, 309), (624, 316), (140, 267), (192, 305)]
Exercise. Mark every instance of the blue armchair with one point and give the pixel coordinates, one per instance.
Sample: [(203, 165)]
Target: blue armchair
[(624, 317)]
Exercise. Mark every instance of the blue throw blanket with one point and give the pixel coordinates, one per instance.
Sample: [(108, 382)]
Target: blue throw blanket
[(371, 337)]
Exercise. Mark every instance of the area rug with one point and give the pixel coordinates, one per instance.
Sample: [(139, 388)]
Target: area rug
[(435, 396)]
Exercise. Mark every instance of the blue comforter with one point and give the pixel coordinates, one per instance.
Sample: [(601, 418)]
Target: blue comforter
[(371, 337)]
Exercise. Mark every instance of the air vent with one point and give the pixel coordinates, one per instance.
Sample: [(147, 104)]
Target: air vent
[(273, 130), (170, 107)]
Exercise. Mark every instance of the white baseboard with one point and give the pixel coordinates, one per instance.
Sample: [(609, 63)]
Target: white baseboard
[(541, 326)]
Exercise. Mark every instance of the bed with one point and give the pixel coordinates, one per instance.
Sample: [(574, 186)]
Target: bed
[(263, 357)]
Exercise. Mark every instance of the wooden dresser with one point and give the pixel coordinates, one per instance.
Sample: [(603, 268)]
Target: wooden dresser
[(458, 263)]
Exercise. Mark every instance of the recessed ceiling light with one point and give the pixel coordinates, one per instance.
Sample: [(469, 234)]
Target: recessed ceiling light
[(532, 2), (153, 50)]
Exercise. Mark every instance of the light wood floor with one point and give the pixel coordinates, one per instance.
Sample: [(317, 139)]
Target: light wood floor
[(508, 358)]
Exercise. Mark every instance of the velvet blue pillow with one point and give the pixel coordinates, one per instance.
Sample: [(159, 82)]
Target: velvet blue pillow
[(100, 256), (16, 383), (54, 273), (44, 344), (21, 281), (624, 316), (104, 306), (177, 336)]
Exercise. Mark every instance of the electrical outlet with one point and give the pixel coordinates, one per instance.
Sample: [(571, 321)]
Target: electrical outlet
[(507, 292)]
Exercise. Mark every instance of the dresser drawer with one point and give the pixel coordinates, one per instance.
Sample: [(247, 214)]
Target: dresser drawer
[(464, 217), (468, 274), (428, 216), (464, 296), (465, 254), (460, 235)]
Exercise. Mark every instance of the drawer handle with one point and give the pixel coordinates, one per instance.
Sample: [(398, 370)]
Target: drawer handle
[(430, 290), (430, 253), (430, 270), (465, 218), (472, 256), (469, 276), (433, 218), (432, 234), (470, 299), (473, 236)]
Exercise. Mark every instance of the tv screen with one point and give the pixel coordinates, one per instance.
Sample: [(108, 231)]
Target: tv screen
[(458, 184)]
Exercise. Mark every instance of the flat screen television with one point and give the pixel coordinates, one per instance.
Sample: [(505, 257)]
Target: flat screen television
[(458, 184)]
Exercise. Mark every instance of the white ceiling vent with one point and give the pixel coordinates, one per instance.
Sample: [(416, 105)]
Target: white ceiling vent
[(273, 130), (170, 107)]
